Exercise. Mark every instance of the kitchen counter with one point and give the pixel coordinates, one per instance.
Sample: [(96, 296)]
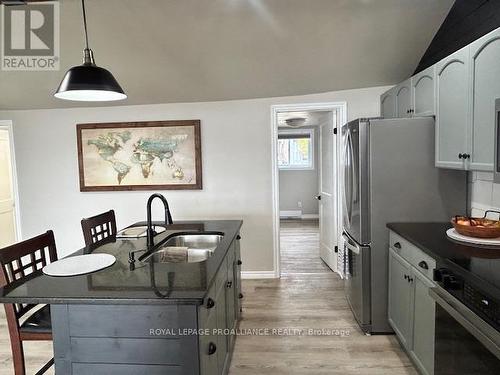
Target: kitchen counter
[(148, 283), (476, 264)]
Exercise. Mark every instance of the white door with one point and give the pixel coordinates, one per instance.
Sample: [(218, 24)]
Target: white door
[(403, 99), (452, 110), (485, 88), (388, 104), (7, 215), (422, 86), (328, 200)]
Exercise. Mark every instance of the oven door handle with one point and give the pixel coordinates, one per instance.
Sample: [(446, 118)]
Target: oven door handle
[(476, 326), (354, 248)]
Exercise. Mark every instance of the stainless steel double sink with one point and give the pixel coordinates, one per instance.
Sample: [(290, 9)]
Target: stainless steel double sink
[(185, 248)]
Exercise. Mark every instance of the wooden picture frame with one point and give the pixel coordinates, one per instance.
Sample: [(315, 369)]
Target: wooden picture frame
[(150, 155)]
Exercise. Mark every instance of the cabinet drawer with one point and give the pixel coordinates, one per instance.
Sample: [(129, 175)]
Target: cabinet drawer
[(423, 262), (413, 255), (400, 246)]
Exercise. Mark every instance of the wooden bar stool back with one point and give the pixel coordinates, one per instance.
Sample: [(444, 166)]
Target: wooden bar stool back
[(97, 228), (18, 263)]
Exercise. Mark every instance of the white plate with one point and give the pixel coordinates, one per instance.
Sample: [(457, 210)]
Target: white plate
[(453, 234), (79, 265)]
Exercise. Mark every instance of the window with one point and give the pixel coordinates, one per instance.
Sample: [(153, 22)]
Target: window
[(295, 149)]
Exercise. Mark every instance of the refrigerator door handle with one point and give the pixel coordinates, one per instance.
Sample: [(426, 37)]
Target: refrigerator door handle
[(354, 248), (347, 172)]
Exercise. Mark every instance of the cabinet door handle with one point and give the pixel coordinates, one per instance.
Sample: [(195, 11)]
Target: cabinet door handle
[(229, 284), (397, 245), (210, 303), (423, 264), (240, 296), (238, 237), (461, 156), (212, 348), (239, 262), (406, 277), (466, 156)]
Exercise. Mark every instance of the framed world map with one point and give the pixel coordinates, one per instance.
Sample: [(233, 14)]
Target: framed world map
[(157, 155)]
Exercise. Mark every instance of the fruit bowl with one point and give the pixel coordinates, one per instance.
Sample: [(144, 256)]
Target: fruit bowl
[(480, 227)]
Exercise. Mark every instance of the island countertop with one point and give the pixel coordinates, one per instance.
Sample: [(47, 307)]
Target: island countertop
[(148, 283)]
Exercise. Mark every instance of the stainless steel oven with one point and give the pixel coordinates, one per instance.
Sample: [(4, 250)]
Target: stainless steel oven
[(465, 344)]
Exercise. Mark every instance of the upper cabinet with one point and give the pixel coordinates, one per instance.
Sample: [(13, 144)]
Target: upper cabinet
[(422, 93), (388, 104), (484, 90), (413, 97), (460, 91), (403, 99), (452, 110)]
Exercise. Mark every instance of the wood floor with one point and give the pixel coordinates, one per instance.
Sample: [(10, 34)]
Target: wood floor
[(308, 297), (300, 247)]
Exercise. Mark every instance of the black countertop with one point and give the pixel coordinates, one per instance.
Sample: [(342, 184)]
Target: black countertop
[(148, 283), (478, 265)]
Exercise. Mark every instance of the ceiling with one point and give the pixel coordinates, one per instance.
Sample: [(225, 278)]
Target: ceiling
[(165, 51), (310, 118)]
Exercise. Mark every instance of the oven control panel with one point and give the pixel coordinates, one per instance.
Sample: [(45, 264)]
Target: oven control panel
[(469, 295)]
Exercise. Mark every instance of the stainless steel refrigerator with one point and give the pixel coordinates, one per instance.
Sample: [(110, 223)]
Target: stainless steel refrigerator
[(388, 176)]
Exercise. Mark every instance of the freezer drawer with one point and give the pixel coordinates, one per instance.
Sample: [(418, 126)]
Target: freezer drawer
[(357, 282)]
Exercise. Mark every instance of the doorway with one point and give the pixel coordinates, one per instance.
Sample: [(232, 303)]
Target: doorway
[(9, 218), (305, 185)]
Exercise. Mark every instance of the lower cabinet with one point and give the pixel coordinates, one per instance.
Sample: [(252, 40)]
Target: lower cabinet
[(219, 315), (412, 310), (400, 294)]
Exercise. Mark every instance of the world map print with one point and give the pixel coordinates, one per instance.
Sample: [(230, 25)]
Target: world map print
[(138, 156)]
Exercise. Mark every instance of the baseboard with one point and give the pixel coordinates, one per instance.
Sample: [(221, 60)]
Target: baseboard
[(291, 214), (309, 216), (258, 275)]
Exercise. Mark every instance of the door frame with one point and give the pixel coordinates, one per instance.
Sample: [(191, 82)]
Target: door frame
[(341, 107), (7, 125)]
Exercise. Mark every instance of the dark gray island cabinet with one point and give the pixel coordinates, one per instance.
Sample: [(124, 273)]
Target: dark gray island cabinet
[(160, 318)]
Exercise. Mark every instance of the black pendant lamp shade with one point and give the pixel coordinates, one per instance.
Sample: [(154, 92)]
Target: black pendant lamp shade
[(88, 82)]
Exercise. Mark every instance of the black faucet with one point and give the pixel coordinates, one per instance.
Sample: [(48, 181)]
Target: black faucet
[(168, 218)]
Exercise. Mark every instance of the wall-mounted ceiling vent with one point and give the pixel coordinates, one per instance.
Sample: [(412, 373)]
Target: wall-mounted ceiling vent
[(295, 121)]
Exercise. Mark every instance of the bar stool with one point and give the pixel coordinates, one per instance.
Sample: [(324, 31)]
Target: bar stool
[(18, 262), (97, 228)]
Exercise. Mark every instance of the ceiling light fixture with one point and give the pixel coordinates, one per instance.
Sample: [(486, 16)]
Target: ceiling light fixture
[(88, 82), (295, 121)]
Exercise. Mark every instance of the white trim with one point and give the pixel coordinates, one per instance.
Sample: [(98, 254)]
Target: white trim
[(309, 216), (291, 214), (275, 109), (250, 275), (7, 124)]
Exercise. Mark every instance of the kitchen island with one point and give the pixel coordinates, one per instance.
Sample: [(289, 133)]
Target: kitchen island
[(156, 317)]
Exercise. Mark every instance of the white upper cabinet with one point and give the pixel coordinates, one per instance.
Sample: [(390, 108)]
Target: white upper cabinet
[(403, 99), (422, 93), (484, 89), (388, 104), (452, 110)]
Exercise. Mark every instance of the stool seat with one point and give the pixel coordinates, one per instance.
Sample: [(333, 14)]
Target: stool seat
[(38, 322)]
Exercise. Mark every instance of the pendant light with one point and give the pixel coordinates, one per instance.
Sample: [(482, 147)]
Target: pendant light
[(88, 82)]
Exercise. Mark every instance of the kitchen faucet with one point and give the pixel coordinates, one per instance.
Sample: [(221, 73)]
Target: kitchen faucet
[(168, 218)]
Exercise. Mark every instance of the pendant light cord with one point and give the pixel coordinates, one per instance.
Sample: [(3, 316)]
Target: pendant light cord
[(85, 25)]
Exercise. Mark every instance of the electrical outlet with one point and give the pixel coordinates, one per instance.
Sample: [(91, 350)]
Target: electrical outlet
[(299, 204)]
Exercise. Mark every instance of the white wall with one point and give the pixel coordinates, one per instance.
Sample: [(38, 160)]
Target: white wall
[(301, 185), (236, 149)]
